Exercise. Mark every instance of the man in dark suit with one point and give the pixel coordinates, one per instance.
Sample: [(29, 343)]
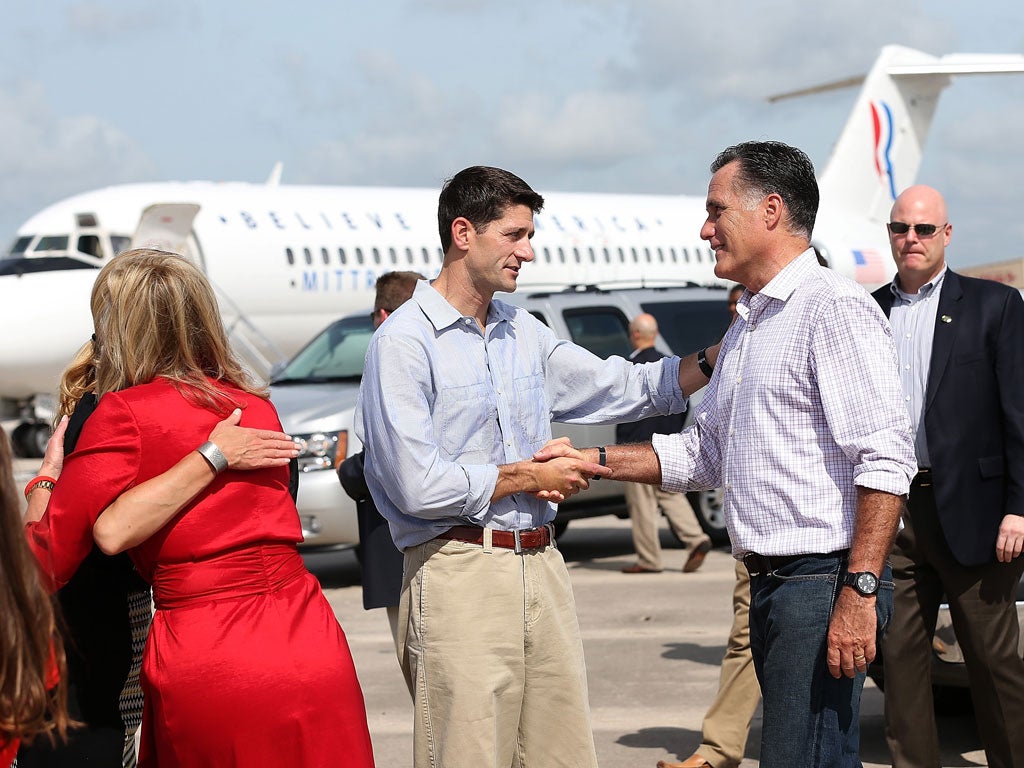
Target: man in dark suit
[(646, 501), (960, 343)]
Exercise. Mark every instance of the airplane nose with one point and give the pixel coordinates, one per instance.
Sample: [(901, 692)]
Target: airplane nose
[(44, 318)]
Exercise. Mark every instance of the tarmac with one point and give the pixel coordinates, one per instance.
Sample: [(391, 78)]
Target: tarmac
[(653, 645)]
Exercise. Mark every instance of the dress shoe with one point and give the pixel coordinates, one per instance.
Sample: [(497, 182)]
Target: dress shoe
[(696, 558), (637, 568), (693, 761)]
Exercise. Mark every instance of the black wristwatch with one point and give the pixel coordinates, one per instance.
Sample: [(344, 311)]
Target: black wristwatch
[(864, 582)]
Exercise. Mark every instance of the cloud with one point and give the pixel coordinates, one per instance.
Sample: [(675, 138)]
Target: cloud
[(106, 22), (44, 158)]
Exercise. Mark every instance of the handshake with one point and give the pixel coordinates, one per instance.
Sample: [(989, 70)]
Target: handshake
[(559, 471)]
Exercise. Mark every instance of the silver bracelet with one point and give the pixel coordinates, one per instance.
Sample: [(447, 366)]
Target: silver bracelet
[(214, 456)]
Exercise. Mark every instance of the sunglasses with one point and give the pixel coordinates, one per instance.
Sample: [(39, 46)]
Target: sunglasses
[(922, 230)]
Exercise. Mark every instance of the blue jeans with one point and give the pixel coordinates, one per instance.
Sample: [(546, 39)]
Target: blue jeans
[(810, 718)]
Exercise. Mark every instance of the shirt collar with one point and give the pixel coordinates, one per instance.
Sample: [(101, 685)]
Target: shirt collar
[(781, 286), (926, 290), (441, 314)]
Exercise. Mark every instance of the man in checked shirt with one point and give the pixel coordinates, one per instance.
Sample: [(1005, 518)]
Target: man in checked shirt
[(804, 428)]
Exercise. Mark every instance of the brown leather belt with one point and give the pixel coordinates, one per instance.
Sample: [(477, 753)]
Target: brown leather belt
[(532, 538)]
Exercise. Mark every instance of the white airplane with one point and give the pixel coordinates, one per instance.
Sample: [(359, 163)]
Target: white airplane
[(286, 260)]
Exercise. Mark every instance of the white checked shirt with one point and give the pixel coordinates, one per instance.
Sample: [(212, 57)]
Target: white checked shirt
[(805, 404)]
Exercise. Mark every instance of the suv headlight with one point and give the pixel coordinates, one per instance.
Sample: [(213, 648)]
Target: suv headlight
[(321, 450)]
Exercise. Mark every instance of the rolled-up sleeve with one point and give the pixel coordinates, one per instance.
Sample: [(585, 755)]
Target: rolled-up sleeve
[(854, 359)]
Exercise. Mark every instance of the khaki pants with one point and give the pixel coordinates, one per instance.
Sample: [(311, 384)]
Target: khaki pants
[(491, 647), (727, 721), (644, 503)]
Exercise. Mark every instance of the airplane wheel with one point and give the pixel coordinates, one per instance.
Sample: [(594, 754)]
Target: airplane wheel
[(29, 440)]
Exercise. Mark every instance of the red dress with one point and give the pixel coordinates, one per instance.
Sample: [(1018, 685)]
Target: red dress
[(245, 664)]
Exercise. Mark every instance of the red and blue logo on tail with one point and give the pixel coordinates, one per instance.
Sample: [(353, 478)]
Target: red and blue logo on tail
[(882, 127)]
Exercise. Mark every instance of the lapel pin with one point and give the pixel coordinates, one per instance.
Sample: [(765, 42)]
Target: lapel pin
[(946, 319)]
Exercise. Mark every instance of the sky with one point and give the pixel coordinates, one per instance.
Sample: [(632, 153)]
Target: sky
[(572, 95)]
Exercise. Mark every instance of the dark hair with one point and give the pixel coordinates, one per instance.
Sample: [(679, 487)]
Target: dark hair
[(771, 167), (30, 647), (394, 289), (481, 194)]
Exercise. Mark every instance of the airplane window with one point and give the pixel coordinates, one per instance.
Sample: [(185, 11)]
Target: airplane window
[(90, 245), (593, 256), (290, 256), (686, 255), (52, 243), (636, 256), (561, 256), (622, 256), (647, 255), (408, 256), (359, 256), (440, 255), (661, 255), (546, 255), (120, 243), (393, 255), (376, 256), (341, 256), (308, 255), (325, 256), (20, 245), (576, 254), (673, 254), (607, 256), (21, 265), (426, 256)]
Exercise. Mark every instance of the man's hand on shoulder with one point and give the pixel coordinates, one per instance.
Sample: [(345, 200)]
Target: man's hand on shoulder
[(1010, 540)]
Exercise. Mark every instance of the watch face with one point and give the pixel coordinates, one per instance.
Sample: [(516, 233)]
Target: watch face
[(866, 584)]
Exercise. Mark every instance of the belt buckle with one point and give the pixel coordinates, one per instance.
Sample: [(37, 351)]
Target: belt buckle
[(518, 549)]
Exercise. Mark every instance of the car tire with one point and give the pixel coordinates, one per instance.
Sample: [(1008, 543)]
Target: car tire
[(707, 505)]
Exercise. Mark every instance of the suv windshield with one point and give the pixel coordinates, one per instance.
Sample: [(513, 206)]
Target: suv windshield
[(690, 325), (336, 354)]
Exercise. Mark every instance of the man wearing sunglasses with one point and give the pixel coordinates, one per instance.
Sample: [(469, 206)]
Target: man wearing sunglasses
[(960, 344)]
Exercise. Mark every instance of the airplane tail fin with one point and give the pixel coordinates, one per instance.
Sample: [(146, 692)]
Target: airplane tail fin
[(879, 151)]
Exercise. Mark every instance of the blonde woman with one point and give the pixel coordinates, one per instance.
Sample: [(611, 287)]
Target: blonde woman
[(245, 663)]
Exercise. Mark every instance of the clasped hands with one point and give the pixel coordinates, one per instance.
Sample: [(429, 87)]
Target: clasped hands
[(562, 471)]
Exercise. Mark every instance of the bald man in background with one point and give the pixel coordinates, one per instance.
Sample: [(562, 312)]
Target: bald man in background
[(960, 344), (646, 501)]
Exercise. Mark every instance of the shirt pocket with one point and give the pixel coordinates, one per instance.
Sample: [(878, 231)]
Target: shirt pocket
[(468, 413)]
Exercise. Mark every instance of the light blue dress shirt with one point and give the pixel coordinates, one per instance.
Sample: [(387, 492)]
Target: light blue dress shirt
[(913, 328), (443, 403)]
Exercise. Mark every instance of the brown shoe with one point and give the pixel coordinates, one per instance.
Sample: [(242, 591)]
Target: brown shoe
[(696, 558), (693, 761), (637, 568)]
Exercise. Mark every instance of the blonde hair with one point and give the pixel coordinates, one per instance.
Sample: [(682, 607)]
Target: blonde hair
[(30, 647), (156, 316), (78, 379)]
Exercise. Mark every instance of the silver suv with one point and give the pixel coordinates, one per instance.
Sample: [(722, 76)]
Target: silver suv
[(315, 395)]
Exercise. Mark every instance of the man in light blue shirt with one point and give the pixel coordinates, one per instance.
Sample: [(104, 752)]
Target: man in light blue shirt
[(458, 393)]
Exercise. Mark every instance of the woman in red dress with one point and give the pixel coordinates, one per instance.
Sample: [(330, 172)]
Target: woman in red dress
[(245, 664)]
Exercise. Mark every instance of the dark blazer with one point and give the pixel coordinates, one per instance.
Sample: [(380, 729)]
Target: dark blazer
[(642, 431), (974, 411), (380, 560)]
